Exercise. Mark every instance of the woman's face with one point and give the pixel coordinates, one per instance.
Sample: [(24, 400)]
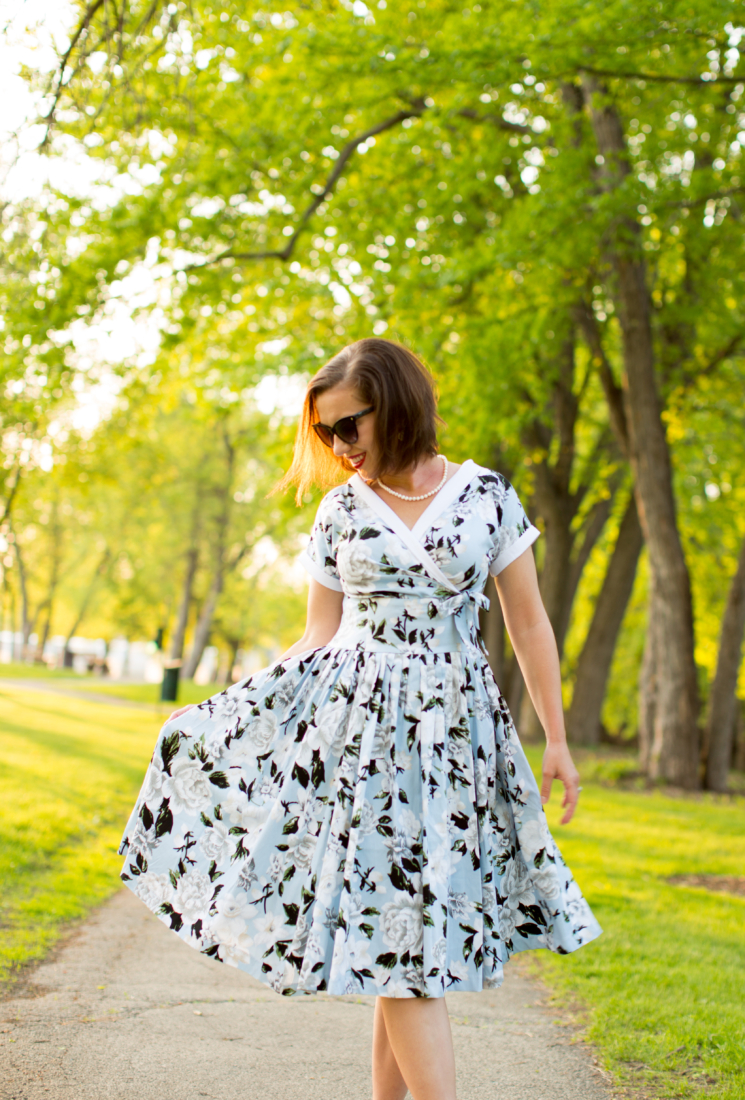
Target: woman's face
[(340, 402)]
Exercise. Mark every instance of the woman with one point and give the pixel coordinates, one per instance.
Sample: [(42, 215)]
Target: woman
[(360, 817)]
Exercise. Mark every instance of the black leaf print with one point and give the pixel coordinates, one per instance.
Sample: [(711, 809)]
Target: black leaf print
[(388, 959), (528, 929), (533, 911), (398, 878), (164, 822), (318, 772), (168, 749), (219, 779), (175, 918), (301, 775)]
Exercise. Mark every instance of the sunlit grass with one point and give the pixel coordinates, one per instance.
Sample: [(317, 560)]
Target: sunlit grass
[(69, 774), (664, 985)]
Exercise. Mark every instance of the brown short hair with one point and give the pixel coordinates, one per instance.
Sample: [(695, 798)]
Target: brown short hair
[(400, 388)]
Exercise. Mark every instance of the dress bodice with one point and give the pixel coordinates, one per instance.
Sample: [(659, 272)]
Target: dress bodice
[(416, 590)]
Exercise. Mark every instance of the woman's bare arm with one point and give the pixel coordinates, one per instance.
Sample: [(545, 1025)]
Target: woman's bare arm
[(322, 619), (535, 648), (322, 622)]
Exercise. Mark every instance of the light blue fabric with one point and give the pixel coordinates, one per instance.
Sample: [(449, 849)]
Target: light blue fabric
[(361, 818)]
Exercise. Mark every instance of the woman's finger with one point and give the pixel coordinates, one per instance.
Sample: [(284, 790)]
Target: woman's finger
[(571, 798)]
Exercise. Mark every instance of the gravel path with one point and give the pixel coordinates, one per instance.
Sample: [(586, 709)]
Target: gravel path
[(125, 1011)]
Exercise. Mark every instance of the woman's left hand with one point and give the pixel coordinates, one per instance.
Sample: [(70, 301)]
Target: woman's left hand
[(558, 764)]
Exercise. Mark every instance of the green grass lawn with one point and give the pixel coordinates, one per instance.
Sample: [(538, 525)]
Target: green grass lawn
[(70, 771), (664, 987), (661, 991)]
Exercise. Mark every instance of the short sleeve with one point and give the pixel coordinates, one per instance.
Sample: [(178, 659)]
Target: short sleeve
[(319, 559), (514, 532)]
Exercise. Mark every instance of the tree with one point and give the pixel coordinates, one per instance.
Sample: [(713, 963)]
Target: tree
[(593, 666), (474, 182)]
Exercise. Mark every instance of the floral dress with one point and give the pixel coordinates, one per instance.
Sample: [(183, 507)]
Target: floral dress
[(361, 818)]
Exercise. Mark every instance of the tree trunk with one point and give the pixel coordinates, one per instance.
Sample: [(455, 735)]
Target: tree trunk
[(26, 624), (739, 755), (105, 557), (235, 644), (47, 603), (593, 529), (560, 576), (182, 619), (648, 688), (207, 614), (593, 667), (722, 714), (513, 689), (204, 623), (675, 749), (491, 624)]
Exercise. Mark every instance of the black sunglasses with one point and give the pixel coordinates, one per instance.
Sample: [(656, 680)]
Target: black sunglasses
[(346, 429)]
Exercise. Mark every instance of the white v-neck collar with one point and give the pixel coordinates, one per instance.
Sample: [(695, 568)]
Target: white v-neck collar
[(411, 537), (441, 500)]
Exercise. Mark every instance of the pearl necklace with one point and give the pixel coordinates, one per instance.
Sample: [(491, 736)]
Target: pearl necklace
[(422, 496)]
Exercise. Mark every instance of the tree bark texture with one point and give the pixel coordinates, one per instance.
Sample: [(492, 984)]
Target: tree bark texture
[(738, 761), (26, 624), (648, 687), (204, 623), (722, 713), (176, 650), (593, 667), (83, 609), (491, 624), (207, 614), (513, 689), (558, 502), (674, 756)]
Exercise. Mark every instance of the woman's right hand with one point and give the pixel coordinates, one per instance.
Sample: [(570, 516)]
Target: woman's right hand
[(180, 711)]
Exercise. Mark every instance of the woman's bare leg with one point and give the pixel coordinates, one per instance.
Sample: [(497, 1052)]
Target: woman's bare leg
[(387, 1082), (417, 1030)]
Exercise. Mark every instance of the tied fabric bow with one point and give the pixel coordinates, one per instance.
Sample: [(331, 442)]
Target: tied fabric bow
[(453, 605)]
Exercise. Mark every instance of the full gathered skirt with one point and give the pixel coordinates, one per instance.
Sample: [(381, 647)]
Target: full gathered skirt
[(355, 821)]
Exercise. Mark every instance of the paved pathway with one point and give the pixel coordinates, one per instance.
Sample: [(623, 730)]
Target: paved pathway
[(125, 1011), (67, 687)]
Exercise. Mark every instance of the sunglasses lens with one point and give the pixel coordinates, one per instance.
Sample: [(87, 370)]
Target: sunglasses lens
[(324, 434), (346, 429)]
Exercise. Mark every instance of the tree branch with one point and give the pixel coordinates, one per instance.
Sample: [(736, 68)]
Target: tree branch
[(11, 496), (328, 189), (613, 392), (661, 78), (90, 11), (718, 357), (689, 204), (497, 120)]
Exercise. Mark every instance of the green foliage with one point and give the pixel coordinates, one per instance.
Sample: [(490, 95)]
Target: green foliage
[(246, 184)]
